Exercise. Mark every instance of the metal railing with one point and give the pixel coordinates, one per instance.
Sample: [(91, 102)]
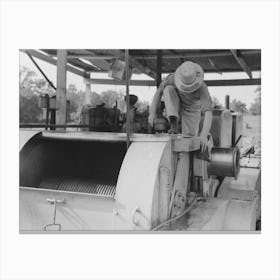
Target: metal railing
[(52, 126)]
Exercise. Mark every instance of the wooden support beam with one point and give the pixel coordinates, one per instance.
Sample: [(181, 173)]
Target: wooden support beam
[(52, 61), (87, 90), (127, 78), (159, 67), (151, 83), (241, 61), (61, 87), (239, 82), (214, 65)]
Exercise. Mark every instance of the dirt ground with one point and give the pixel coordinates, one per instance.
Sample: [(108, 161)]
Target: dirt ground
[(252, 131)]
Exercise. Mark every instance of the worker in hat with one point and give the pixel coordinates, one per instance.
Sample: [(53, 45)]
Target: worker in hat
[(185, 95), (134, 126)]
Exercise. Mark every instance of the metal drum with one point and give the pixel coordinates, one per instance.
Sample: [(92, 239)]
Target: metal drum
[(224, 162)]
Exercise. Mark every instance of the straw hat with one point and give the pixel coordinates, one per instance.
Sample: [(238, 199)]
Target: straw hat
[(188, 77), (132, 99)]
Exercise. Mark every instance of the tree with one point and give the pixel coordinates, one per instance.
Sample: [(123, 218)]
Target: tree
[(238, 106), (255, 108), (30, 112), (216, 102), (29, 86), (142, 106), (110, 97), (26, 81)]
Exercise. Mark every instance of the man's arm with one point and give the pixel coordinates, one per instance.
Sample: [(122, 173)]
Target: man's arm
[(155, 104), (207, 107), (206, 124)]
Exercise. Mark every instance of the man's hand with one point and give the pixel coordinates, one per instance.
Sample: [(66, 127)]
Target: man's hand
[(203, 144), (151, 119)]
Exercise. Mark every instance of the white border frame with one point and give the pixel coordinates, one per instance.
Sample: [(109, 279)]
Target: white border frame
[(189, 24)]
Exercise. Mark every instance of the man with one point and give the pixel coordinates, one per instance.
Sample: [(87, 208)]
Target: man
[(134, 126), (185, 94)]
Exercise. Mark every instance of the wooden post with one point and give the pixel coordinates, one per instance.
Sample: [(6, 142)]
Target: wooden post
[(47, 111), (159, 67), (88, 89), (227, 103), (127, 98), (61, 87)]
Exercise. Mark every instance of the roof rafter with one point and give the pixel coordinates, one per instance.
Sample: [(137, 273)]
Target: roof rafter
[(241, 61), (210, 83), (52, 61)]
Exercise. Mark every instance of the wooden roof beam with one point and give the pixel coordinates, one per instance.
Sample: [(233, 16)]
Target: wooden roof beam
[(151, 83), (52, 61), (241, 61)]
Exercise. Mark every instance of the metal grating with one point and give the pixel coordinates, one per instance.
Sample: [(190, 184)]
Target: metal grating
[(79, 186)]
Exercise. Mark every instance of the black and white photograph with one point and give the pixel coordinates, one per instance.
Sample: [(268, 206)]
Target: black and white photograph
[(140, 140)]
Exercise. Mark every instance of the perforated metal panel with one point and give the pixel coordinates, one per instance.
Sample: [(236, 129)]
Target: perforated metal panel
[(79, 185)]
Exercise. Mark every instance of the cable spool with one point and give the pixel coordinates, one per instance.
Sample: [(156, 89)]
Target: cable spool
[(224, 162)]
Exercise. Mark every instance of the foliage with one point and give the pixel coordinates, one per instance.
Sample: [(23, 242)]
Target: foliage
[(216, 103), (238, 106), (255, 108), (30, 112), (142, 106), (31, 87), (110, 98)]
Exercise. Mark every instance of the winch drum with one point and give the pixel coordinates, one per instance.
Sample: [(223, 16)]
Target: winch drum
[(224, 162)]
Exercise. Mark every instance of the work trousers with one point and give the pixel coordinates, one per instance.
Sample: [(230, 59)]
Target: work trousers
[(175, 106)]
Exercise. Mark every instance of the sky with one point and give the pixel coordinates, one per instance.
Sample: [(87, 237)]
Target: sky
[(244, 93)]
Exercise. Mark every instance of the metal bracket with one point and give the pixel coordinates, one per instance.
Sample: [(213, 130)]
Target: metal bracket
[(134, 219), (54, 201)]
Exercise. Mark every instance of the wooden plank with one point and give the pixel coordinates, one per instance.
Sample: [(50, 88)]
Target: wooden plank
[(150, 83), (61, 87), (121, 83), (239, 82), (241, 61), (52, 61)]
